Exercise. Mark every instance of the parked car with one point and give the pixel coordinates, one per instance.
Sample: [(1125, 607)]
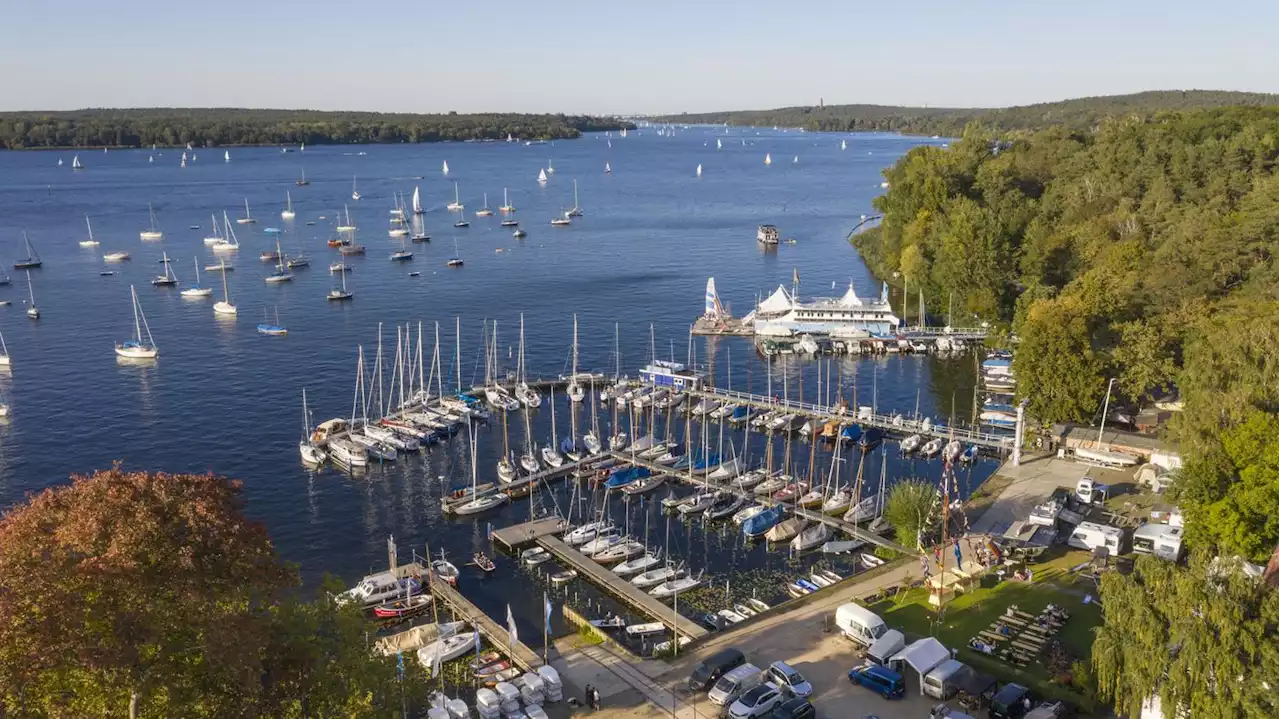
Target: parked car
[(713, 667), (796, 708), (881, 680), (758, 702), (789, 680), (1013, 701)]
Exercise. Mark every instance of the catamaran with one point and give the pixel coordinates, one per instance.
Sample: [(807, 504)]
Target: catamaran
[(89, 242), (33, 260), (136, 348), (287, 213), (247, 219), (168, 279), (457, 202), (577, 209), (154, 233), (196, 290), (224, 307), (485, 211)]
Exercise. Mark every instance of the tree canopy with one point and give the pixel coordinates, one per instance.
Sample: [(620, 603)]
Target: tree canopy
[(910, 509), (1080, 113), (175, 127), (136, 594), (1201, 638)]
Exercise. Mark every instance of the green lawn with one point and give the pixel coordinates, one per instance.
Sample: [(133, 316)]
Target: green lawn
[(975, 610)]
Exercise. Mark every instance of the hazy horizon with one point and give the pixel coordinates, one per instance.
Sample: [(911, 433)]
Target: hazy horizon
[(579, 58)]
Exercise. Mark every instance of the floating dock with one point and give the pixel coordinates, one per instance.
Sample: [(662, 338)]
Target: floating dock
[(518, 535), (519, 653)]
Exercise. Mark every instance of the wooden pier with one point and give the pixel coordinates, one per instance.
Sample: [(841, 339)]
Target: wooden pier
[(836, 523), (519, 653), (621, 588), (518, 535)]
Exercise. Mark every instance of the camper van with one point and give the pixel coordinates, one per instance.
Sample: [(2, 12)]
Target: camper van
[(937, 683), (860, 624), (1162, 540), (889, 643), (1090, 536)]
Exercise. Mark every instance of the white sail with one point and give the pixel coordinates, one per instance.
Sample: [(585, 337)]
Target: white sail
[(608, 170), (843, 145), (712, 308), (542, 176), (767, 159), (444, 168), (75, 163), (226, 156), (718, 144), (417, 202), (795, 159), (698, 172)]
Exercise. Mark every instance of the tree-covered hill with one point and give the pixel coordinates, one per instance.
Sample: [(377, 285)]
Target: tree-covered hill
[(1081, 113), (171, 127)]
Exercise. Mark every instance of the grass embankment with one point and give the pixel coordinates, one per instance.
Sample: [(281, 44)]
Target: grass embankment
[(975, 610)]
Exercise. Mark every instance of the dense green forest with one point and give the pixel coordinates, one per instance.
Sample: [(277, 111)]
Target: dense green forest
[(1082, 114), (1145, 251), (174, 127)]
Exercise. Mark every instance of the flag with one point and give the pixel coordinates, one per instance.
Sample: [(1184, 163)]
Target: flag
[(546, 604), (511, 628)]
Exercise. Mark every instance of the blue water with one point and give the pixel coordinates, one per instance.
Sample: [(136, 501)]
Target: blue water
[(222, 398)]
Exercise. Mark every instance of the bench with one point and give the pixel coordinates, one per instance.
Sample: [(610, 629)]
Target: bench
[(1032, 650), (992, 636)]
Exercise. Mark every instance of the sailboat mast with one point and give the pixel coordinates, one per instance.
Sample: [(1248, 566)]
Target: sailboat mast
[(457, 349), (137, 327)]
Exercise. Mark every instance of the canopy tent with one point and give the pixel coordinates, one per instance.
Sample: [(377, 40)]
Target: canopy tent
[(974, 683), (922, 655), (850, 298), (778, 302)]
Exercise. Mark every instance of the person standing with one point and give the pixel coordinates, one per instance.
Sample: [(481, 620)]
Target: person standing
[(586, 695), (595, 699)]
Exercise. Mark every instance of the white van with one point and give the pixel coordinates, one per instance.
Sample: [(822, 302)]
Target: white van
[(937, 683), (860, 624), (890, 643), (1090, 536), (735, 683)]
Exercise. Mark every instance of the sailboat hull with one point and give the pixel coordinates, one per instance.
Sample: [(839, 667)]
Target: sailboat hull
[(131, 351)]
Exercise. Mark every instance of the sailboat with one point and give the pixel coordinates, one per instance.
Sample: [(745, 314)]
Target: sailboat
[(355, 194), (302, 181), (479, 502), (485, 211), (562, 219), (226, 156), (267, 328), (575, 391), (168, 279), (457, 203), (311, 452), (767, 159), (32, 311), (550, 170), (247, 219), (183, 163), (280, 275), (577, 209), (718, 144), (346, 220), (506, 205), (75, 163), (154, 233), (33, 260), (527, 395), (339, 295), (698, 172), (401, 255), (224, 307), (542, 177), (444, 167), (89, 242), (4, 353), (843, 145), (136, 348), (287, 213), (417, 202), (456, 260), (227, 243), (216, 237), (795, 160), (197, 290)]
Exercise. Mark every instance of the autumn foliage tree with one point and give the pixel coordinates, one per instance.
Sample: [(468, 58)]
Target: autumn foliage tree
[(138, 594)]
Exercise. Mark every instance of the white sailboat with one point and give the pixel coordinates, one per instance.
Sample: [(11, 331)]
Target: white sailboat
[(75, 163), (355, 193), (444, 167), (32, 311), (417, 202), (229, 242), (506, 204), (168, 279), (484, 502), (224, 307), (154, 233), (542, 177), (4, 353), (346, 225), (287, 213), (607, 169), (247, 219), (340, 294), (575, 391), (136, 348), (457, 202), (550, 454), (767, 159), (197, 290), (226, 156), (89, 242), (280, 275), (311, 452), (718, 144), (698, 172), (550, 170), (795, 160), (216, 237), (485, 211), (843, 145), (576, 211)]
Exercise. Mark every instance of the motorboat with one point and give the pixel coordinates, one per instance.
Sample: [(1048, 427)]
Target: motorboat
[(931, 448), (377, 588), (646, 629), (910, 444), (444, 570), (564, 577), (347, 453), (613, 621), (534, 556)]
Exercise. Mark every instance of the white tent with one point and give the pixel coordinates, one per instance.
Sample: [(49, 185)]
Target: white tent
[(850, 298), (922, 655), (777, 303)]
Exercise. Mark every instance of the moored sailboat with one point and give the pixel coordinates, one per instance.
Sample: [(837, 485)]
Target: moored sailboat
[(137, 348)]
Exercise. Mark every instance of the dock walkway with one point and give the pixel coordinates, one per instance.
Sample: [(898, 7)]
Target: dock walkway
[(836, 523), (519, 653), (518, 535), (621, 588)]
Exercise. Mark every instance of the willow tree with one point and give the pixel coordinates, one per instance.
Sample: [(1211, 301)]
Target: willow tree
[(1202, 638)]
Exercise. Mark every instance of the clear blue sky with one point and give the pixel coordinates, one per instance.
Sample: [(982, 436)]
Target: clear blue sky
[(620, 57)]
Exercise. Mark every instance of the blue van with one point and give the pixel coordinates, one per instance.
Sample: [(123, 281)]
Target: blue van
[(881, 680)]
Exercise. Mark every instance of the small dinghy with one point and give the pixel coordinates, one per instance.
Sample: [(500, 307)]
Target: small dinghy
[(403, 607), (534, 556), (564, 577), (610, 622), (483, 562)]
